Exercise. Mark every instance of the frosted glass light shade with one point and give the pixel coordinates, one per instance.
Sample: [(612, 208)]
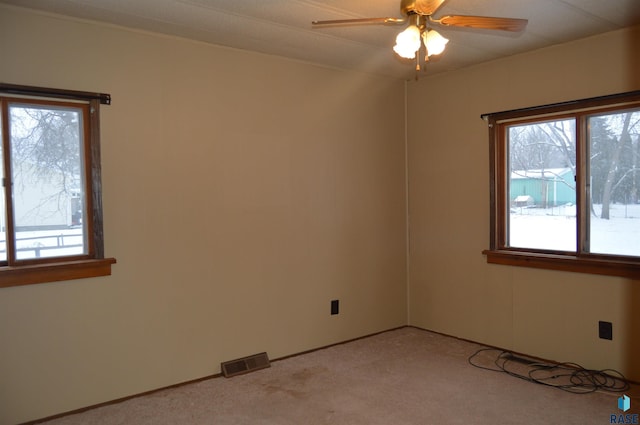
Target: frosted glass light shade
[(408, 42), (435, 42)]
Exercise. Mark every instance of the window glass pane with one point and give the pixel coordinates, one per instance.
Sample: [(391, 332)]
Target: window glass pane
[(542, 195), (614, 167), (47, 169), (3, 212)]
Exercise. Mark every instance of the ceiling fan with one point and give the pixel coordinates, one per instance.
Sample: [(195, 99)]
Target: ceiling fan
[(419, 35)]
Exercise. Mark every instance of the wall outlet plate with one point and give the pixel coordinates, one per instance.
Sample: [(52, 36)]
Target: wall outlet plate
[(335, 307), (605, 330)]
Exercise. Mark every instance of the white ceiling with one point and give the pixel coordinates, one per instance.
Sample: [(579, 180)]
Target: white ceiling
[(283, 27)]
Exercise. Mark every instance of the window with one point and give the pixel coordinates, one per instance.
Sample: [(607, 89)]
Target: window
[(565, 186), (50, 203)]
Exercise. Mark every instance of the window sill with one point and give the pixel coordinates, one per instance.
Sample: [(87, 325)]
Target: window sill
[(41, 273), (570, 263)]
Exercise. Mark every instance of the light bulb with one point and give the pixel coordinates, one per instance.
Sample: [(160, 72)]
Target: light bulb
[(408, 42), (435, 42)]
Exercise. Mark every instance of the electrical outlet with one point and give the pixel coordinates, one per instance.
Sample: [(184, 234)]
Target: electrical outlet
[(335, 307), (605, 330)]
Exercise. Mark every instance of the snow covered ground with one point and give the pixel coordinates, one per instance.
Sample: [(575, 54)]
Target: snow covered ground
[(47, 243), (555, 229)]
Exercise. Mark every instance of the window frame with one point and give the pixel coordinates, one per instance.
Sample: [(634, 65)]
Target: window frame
[(579, 261), (15, 272)]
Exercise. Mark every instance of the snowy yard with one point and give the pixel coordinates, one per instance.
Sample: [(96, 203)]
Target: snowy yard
[(47, 243), (555, 229)]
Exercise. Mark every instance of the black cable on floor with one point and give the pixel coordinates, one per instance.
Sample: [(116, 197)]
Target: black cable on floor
[(570, 377)]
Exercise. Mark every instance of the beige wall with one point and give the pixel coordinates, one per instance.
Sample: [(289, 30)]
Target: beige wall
[(553, 315), (242, 193)]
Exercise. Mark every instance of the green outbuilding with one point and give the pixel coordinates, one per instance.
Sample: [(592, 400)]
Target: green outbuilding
[(542, 188)]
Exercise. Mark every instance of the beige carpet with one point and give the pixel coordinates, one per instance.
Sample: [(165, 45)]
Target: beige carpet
[(404, 376)]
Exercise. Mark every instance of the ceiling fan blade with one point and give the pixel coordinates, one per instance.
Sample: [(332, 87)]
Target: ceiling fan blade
[(359, 21), (485, 22), (427, 7)]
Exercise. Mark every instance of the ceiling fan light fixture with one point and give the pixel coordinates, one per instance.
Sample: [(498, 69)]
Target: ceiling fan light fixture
[(408, 42), (419, 14), (434, 42)]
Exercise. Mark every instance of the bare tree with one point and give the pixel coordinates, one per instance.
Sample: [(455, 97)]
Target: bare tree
[(543, 145), (617, 172), (46, 149)]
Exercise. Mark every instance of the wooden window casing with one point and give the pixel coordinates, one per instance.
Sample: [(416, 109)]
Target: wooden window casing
[(581, 260), (14, 271)]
